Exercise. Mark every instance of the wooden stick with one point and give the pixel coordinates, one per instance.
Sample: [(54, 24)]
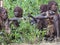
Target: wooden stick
[(1, 3)]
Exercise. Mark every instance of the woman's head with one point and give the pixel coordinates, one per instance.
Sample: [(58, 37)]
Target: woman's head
[(52, 5)]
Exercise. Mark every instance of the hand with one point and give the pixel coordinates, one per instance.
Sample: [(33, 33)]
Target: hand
[(29, 15)]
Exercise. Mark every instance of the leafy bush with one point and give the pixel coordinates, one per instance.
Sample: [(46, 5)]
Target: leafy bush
[(26, 32)]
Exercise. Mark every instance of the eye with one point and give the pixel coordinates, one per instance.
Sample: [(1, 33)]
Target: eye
[(16, 12)]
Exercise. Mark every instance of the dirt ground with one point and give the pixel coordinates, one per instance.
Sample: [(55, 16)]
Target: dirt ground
[(43, 43)]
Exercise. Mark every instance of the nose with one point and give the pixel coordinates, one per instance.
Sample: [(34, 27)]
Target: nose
[(15, 13)]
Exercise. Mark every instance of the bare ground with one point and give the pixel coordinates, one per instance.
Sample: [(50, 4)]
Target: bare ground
[(43, 43)]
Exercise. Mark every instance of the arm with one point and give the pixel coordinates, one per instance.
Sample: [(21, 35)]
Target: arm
[(56, 24), (7, 27), (12, 19), (29, 15)]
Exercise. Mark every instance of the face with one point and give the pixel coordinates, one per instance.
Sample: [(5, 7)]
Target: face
[(16, 13), (4, 14), (54, 7)]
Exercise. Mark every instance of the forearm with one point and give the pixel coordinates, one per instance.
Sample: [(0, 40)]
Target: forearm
[(42, 17), (7, 27)]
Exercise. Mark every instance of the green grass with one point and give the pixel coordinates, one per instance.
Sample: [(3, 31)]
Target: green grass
[(29, 32)]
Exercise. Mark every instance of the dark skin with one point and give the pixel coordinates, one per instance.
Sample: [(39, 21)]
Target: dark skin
[(41, 18), (18, 12), (53, 6), (4, 23), (43, 8)]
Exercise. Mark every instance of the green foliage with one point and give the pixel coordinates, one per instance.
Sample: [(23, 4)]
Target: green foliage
[(26, 32)]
